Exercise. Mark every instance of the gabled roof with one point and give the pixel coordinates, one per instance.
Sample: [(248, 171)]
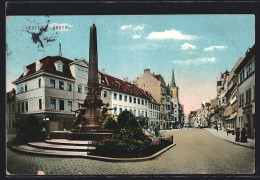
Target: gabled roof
[(49, 66), (122, 86)]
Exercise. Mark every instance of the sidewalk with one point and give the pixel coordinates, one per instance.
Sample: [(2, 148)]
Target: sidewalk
[(231, 138)]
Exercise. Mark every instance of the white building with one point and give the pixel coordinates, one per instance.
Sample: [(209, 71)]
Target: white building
[(52, 87)]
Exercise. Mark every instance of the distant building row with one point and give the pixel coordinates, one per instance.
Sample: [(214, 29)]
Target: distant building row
[(234, 105)]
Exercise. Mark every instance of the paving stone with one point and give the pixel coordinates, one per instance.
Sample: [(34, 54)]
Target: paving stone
[(196, 152)]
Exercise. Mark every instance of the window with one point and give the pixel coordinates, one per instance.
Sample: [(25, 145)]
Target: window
[(249, 69), (22, 106), (52, 83), (40, 103), (142, 102), (78, 72), (18, 107), (125, 98), (53, 104), (105, 94), (21, 88), (248, 96), (86, 90), (9, 124), (13, 123), (135, 112), (69, 86), (79, 105), (79, 89), (38, 65), (138, 113), (59, 67), (39, 83), (61, 85), (138, 101), (25, 87), (146, 102), (120, 110), (61, 104), (243, 99), (241, 76), (115, 110), (13, 108), (115, 95), (130, 99), (82, 73), (86, 74), (26, 105), (120, 97), (69, 105), (18, 89), (135, 100)]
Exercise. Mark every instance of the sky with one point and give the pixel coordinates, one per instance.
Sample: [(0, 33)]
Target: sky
[(197, 47)]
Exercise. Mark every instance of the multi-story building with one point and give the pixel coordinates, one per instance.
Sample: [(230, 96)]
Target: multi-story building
[(246, 92), (222, 99), (192, 118), (156, 86), (197, 122), (230, 112), (205, 114), (51, 88), (10, 112)]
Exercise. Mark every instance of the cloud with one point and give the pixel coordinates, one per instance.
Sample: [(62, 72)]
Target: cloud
[(187, 46), (136, 36), (197, 61), (132, 27), (211, 48), (61, 27), (170, 34)]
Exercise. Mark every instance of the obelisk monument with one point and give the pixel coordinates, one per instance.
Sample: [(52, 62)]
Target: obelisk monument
[(89, 122)]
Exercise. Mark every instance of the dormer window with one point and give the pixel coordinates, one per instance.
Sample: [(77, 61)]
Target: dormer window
[(59, 66), (38, 65), (25, 71)]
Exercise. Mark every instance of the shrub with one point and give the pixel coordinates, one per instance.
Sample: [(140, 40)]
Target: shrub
[(31, 129), (110, 123), (123, 117)]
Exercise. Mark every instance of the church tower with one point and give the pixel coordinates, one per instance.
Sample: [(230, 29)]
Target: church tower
[(174, 88)]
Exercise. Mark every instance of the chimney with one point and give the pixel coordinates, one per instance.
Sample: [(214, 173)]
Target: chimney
[(103, 71), (147, 71), (126, 79)]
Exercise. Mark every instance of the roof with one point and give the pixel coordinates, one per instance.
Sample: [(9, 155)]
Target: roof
[(158, 77), (10, 96), (248, 57), (123, 86), (49, 66)]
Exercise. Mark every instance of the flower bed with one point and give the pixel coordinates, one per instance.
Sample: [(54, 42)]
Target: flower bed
[(129, 148)]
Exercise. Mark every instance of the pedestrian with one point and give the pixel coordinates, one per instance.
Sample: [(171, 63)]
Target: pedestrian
[(217, 127), (228, 129)]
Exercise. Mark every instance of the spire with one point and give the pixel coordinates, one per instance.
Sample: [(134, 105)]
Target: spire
[(173, 80), (59, 53)]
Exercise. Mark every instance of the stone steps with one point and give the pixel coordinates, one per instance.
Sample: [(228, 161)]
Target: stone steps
[(48, 152), (60, 147), (71, 142)]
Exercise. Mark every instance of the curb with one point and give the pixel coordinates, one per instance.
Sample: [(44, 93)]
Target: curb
[(232, 141), (100, 158)]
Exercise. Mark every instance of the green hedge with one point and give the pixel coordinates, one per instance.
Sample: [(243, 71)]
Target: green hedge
[(128, 148)]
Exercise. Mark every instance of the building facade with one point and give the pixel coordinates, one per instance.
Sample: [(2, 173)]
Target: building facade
[(246, 93), (10, 112)]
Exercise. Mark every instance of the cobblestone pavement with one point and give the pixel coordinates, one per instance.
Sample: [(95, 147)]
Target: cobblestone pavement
[(196, 152)]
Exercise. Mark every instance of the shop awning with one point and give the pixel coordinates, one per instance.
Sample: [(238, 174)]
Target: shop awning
[(232, 116)]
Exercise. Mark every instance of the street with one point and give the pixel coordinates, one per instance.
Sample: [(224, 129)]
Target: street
[(196, 152)]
